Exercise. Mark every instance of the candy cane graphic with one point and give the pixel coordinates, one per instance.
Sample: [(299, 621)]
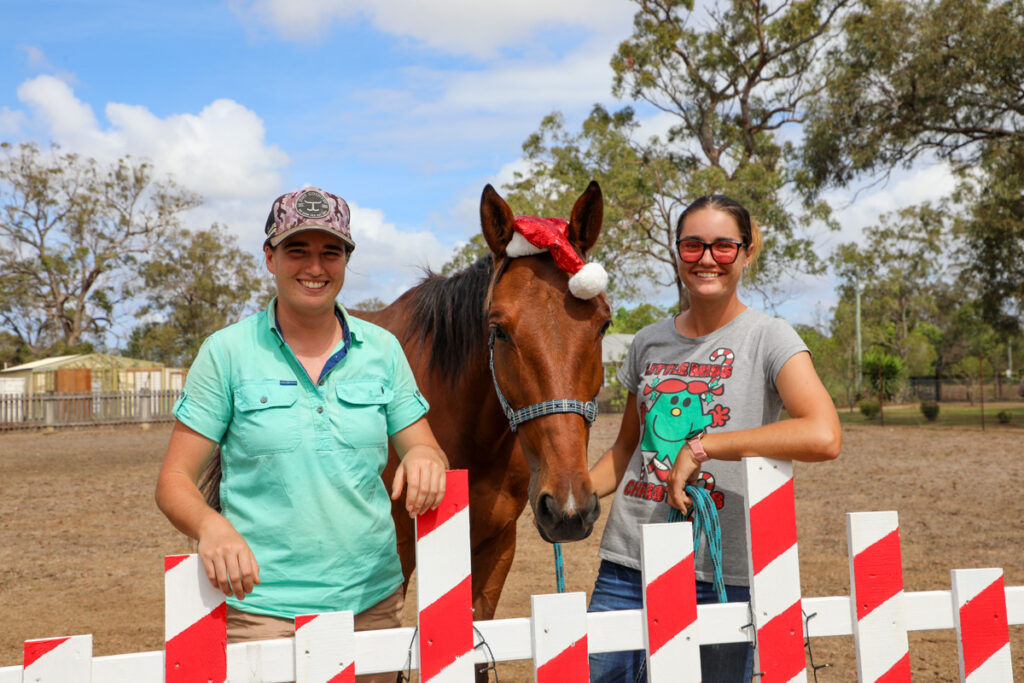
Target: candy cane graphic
[(724, 353), (876, 601), (983, 637), (195, 623), (443, 589), (325, 648), (670, 603), (58, 660), (775, 570), (558, 629)]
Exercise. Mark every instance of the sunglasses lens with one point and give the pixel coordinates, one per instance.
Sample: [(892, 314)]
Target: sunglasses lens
[(724, 252), (691, 250)]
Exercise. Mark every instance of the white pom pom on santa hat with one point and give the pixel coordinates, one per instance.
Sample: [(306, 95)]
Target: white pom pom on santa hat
[(589, 281)]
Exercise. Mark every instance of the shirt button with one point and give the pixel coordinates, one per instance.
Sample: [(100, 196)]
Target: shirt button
[(320, 409), (263, 399)]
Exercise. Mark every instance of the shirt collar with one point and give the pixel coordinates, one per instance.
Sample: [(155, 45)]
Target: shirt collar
[(343, 316)]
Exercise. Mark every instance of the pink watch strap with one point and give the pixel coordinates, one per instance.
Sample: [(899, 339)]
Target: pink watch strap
[(699, 454)]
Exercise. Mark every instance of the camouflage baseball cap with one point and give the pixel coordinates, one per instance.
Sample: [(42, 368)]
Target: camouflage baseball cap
[(308, 209)]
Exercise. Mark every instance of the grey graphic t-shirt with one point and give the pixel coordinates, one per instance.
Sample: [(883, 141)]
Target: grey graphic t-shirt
[(721, 382)]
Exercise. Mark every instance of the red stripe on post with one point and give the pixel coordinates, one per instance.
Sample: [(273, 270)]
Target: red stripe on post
[(671, 603), (446, 629), (34, 649), (780, 646), (347, 675), (172, 561), (198, 653), (983, 628), (899, 673), (304, 619), (878, 573), (456, 499), (568, 666), (772, 526)]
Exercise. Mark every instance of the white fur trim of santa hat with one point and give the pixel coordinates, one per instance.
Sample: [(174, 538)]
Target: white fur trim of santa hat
[(520, 246)]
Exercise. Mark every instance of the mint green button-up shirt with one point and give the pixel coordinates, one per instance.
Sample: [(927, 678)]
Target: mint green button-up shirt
[(302, 460)]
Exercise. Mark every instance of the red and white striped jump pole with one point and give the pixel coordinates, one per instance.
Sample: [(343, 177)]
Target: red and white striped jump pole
[(876, 597), (325, 648), (670, 603), (443, 590), (58, 660), (775, 571), (195, 624), (982, 634), (558, 631)]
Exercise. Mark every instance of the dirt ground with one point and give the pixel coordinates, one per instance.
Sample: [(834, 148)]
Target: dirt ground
[(82, 543)]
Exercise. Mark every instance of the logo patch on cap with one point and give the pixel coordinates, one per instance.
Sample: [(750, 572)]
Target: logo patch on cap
[(311, 204)]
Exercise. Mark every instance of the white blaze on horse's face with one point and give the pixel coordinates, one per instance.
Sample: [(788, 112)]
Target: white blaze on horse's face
[(548, 347)]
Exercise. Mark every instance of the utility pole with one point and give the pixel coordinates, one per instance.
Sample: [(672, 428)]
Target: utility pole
[(857, 288)]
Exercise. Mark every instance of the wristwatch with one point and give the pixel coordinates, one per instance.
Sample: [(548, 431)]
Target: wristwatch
[(699, 454)]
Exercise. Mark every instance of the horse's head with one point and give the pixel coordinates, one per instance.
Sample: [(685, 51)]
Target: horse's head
[(547, 347)]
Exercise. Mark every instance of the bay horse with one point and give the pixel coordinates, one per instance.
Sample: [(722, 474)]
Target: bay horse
[(518, 315)]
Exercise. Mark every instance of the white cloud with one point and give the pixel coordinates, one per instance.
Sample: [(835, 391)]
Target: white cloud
[(387, 261), (221, 152), (454, 26), (11, 122), (35, 57), (857, 208)]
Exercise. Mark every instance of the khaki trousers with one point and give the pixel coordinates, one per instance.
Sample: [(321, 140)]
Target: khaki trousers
[(387, 613)]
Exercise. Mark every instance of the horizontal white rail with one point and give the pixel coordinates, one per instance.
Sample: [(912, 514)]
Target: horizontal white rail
[(273, 661)]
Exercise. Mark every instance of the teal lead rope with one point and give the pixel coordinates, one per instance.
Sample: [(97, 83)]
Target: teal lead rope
[(705, 523), (559, 568)]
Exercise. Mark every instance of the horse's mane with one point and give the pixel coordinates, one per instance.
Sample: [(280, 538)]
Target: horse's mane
[(451, 310)]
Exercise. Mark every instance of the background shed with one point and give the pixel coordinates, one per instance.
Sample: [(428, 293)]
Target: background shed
[(89, 372)]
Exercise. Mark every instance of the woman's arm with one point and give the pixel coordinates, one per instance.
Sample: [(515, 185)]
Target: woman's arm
[(812, 434), (227, 558), (422, 464), (607, 472)]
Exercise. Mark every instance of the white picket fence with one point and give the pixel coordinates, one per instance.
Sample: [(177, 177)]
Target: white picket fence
[(445, 646)]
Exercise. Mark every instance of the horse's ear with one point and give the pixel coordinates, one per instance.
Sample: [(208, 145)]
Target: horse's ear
[(586, 218), (497, 222)]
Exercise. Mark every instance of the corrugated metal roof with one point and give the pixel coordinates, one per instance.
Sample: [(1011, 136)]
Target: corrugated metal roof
[(42, 362), (85, 360)]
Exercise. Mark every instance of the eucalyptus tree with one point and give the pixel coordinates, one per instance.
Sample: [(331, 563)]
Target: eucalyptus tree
[(72, 233)]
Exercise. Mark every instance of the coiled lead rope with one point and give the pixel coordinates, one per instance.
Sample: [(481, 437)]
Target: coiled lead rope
[(704, 516)]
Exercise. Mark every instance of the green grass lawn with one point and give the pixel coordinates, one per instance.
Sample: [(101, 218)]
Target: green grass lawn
[(950, 414)]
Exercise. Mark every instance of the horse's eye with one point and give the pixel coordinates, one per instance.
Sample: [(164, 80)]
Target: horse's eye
[(604, 328), (499, 333)]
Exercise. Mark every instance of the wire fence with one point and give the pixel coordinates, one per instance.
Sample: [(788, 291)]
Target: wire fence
[(51, 410), (994, 388)]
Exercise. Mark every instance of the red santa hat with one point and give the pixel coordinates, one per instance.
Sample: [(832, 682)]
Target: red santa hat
[(535, 235)]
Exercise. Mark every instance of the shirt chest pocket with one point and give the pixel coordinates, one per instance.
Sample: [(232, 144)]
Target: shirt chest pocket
[(362, 412), (266, 420)]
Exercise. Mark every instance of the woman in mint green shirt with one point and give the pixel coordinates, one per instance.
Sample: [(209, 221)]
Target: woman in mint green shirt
[(302, 400)]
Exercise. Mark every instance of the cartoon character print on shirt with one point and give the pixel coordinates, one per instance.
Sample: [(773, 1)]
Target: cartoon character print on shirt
[(674, 409)]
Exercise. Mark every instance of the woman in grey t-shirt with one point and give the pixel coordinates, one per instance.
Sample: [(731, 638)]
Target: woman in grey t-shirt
[(706, 388)]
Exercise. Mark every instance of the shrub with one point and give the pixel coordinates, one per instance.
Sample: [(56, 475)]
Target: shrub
[(870, 409), (1003, 416), (930, 410)]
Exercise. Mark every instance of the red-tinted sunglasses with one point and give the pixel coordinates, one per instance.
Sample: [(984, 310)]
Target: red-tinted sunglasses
[(723, 251)]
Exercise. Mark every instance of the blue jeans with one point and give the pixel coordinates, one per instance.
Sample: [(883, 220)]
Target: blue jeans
[(618, 587)]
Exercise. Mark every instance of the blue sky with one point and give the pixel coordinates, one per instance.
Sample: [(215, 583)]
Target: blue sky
[(405, 109)]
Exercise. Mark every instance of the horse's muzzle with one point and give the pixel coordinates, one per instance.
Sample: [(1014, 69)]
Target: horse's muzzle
[(555, 526)]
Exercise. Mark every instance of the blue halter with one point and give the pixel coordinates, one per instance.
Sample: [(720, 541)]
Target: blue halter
[(562, 405)]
